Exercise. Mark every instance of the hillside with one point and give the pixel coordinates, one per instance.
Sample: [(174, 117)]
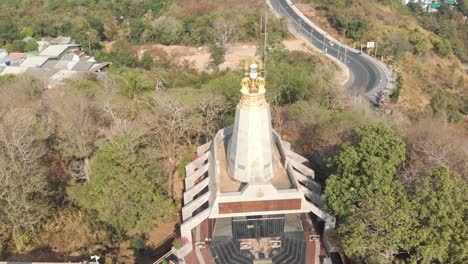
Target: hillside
[(429, 63)]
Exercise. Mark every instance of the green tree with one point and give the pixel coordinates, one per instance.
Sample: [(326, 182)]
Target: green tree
[(380, 227), (134, 83), (31, 46), (441, 205), (442, 47), (18, 46), (26, 32), (147, 61), (287, 84), (217, 54), (364, 166), (127, 190), (167, 30), (137, 27), (420, 43), (396, 91), (374, 212)]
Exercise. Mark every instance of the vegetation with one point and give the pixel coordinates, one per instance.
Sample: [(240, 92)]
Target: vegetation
[(111, 151), (380, 220), (126, 190), (427, 49), (96, 166)]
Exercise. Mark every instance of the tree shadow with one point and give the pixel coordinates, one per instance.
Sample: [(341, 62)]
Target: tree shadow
[(45, 254), (151, 253)]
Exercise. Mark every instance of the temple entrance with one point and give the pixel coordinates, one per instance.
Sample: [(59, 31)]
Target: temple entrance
[(256, 227)]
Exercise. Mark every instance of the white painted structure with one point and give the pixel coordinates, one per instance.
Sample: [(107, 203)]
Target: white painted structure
[(247, 162)]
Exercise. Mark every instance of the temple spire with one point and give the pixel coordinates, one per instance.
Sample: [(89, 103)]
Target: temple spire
[(251, 146)]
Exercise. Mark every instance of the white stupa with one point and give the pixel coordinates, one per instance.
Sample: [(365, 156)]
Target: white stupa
[(251, 146)]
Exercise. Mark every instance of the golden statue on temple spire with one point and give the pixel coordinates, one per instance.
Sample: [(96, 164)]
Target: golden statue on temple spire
[(253, 82), (253, 86)]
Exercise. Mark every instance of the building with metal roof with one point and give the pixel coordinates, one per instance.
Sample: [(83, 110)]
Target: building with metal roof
[(58, 51), (34, 61), (54, 65)]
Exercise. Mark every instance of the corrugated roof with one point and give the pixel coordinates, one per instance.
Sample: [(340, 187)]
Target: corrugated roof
[(50, 64), (13, 70), (64, 75), (68, 56), (16, 54), (34, 61), (83, 66), (98, 66), (55, 51), (64, 65), (40, 73)]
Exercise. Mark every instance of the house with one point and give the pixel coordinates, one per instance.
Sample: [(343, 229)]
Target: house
[(58, 51), (3, 53), (42, 45), (34, 61), (54, 65), (431, 5), (13, 59)]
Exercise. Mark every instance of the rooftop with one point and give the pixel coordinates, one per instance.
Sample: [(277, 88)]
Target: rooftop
[(34, 61), (55, 51)]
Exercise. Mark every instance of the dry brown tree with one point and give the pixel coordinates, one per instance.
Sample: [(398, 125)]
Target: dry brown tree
[(212, 108), (77, 123), (432, 143), (23, 183)]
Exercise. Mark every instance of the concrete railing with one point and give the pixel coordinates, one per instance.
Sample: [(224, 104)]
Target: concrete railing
[(161, 259)]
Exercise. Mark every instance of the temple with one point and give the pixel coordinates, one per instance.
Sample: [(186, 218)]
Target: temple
[(249, 198)]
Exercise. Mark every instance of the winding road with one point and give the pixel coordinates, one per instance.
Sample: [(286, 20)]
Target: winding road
[(366, 73)]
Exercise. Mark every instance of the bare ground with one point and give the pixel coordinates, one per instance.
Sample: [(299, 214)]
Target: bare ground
[(235, 54)]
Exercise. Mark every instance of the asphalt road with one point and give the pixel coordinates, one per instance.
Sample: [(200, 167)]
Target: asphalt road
[(365, 74)]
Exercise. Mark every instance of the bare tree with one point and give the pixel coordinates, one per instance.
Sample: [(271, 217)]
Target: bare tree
[(118, 124), (23, 185), (431, 144), (278, 115), (172, 128), (227, 27), (212, 108), (77, 123)]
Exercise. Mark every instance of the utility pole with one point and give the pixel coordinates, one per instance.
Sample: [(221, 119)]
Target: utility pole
[(338, 50), (376, 44), (265, 48), (345, 50)]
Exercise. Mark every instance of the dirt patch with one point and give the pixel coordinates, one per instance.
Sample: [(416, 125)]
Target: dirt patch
[(235, 54), (163, 232), (200, 57)]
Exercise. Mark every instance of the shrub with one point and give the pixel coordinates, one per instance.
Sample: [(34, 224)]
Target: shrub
[(138, 245)]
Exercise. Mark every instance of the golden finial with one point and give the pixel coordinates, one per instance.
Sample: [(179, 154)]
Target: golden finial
[(245, 83), (253, 88), (260, 66), (261, 83), (246, 67)]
